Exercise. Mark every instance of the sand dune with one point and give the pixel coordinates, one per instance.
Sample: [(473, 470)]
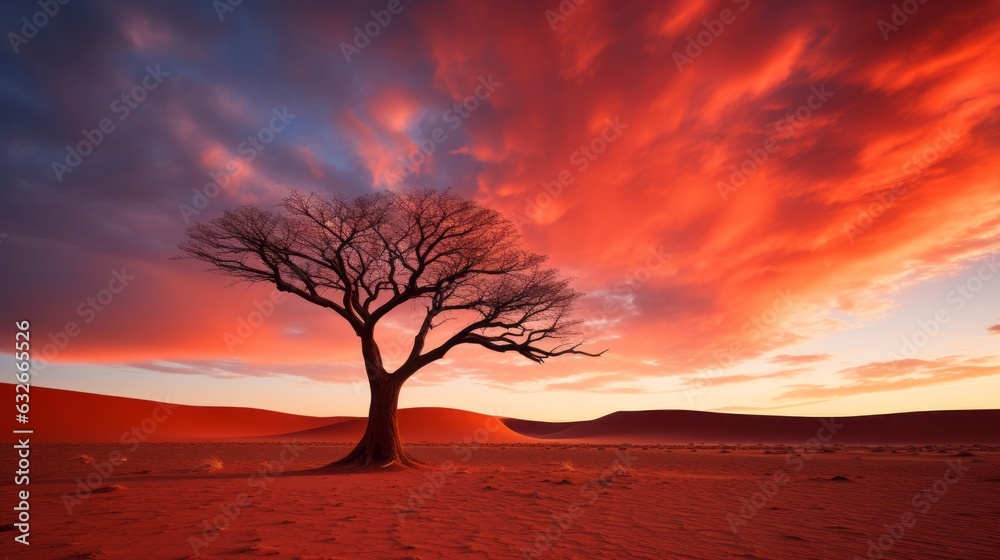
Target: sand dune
[(416, 425), (60, 416), (685, 426)]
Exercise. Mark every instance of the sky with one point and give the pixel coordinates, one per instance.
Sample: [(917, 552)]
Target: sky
[(772, 207)]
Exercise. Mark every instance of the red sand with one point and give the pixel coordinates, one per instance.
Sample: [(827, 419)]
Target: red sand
[(518, 501), (506, 498)]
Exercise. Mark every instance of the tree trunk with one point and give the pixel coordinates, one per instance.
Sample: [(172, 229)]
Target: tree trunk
[(380, 446)]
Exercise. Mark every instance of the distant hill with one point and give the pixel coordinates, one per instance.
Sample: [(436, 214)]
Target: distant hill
[(60, 416), (686, 426)]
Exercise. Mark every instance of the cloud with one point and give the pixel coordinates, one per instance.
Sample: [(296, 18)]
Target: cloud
[(603, 383), (800, 359), (717, 380), (328, 372), (882, 182), (877, 377)]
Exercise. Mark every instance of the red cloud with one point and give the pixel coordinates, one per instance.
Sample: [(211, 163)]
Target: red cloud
[(794, 177), (818, 218)]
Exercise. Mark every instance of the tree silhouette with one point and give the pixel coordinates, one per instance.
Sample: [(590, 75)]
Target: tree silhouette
[(364, 257)]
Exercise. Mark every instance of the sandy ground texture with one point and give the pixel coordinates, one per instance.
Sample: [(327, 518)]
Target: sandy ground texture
[(213, 500)]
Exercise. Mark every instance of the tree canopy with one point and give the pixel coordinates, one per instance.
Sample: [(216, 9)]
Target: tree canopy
[(364, 257)]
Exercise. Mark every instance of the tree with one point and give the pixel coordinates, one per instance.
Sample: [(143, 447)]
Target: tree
[(364, 257)]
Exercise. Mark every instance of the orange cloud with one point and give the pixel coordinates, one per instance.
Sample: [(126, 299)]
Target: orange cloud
[(879, 377), (801, 359)]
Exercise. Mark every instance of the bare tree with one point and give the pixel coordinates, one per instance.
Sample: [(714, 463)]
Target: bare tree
[(362, 258)]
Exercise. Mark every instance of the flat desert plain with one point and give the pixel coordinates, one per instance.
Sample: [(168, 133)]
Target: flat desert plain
[(512, 501), (148, 489)]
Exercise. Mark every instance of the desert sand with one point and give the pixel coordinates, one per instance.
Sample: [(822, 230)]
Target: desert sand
[(493, 492)]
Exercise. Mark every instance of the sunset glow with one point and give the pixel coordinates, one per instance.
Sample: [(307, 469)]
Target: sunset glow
[(774, 208)]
